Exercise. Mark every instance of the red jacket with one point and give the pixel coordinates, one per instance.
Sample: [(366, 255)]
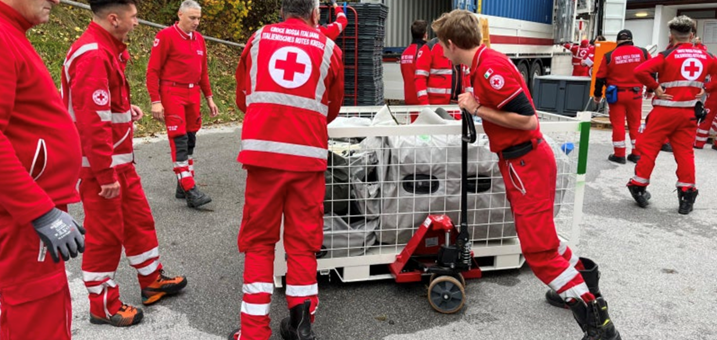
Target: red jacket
[(618, 67), (579, 52), (701, 47), (290, 85), (333, 30), (180, 58), (682, 72), (97, 93), (496, 81), (409, 59), (39, 146), (434, 75)]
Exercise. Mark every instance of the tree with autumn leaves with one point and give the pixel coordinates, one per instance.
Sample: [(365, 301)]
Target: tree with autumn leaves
[(233, 20)]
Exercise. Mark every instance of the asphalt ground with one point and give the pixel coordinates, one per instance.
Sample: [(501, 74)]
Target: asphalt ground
[(657, 266)]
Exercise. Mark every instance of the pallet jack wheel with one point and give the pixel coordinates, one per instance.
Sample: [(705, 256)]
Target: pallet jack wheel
[(457, 276), (446, 295)]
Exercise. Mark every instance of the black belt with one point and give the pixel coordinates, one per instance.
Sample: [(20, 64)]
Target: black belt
[(635, 89), (519, 150)]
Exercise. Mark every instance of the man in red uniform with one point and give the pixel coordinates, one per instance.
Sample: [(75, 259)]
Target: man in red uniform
[(698, 44), (334, 29), (409, 58), (434, 75), (501, 99), (176, 72), (117, 214), (617, 69), (290, 85), (39, 165), (579, 52), (710, 122), (590, 58), (682, 71)]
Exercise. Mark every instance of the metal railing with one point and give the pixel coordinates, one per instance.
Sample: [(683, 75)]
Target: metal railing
[(149, 23)]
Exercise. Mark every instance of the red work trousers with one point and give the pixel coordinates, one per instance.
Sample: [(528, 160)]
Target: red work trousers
[(530, 188), (679, 126), (299, 197), (628, 105), (710, 122), (182, 117), (111, 224), (35, 299), (581, 71)]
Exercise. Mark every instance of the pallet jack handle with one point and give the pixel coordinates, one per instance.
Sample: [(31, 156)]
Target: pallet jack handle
[(469, 128), (469, 136)]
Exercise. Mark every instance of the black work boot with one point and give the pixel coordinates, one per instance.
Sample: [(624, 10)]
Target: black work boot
[(180, 191), (667, 147), (640, 194), (633, 158), (594, 320), (196, 198), (298, 325), (591, 276), (235, 334), (613, 158), (687, 200)]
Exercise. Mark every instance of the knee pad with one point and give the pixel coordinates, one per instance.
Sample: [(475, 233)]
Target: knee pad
[(192, 142), (181, 148)]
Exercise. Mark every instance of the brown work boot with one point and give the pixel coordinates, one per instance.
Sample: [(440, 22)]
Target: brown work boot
[(126, 316), (163, 286)]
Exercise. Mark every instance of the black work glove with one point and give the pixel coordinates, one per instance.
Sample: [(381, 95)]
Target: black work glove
[(61, 234), (700, 112)]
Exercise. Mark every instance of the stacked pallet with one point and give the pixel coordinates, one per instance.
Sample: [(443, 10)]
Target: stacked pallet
[(362, 44)]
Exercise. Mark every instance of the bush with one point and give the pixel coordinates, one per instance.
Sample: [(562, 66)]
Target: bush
[(53, 40), (233, 20)]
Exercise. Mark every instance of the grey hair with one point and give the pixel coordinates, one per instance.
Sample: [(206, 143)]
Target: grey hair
[(303, 9), (681, 27), (189, 4)]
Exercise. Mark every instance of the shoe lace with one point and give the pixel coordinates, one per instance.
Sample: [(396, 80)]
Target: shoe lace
[(163, 277), (125, 307)]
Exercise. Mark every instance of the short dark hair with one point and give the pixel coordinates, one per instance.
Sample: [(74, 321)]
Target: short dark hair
[(99, 7), (303, 9), (418, 29)]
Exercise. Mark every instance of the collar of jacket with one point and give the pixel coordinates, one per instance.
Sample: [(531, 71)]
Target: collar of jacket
[(14, 18), (626, 43), (418, 41), (107, 40), (296, 21), (184, 35)]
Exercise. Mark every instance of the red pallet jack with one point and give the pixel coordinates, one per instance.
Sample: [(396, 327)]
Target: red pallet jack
[(440, 249)]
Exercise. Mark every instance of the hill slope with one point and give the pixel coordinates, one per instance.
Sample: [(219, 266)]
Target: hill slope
[(53, 39)]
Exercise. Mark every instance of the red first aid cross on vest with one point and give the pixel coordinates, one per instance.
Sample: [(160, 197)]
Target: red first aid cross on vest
[(692, 69), (290, 67)]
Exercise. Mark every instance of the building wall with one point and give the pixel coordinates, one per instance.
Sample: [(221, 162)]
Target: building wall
[(641, 31), (660, 34), (712, 48), (402, 13)]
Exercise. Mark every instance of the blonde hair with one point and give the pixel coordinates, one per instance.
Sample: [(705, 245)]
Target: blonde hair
[(681, 27), (459, 26)]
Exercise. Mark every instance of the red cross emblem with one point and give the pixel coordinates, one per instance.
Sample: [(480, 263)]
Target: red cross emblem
[(692, 69), (497, 81), (290, 66), (100, 97)]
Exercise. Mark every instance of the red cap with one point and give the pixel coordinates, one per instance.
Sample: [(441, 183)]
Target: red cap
[(584, 43)]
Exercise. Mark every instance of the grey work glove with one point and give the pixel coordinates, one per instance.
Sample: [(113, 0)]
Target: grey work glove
[(61, 234)]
